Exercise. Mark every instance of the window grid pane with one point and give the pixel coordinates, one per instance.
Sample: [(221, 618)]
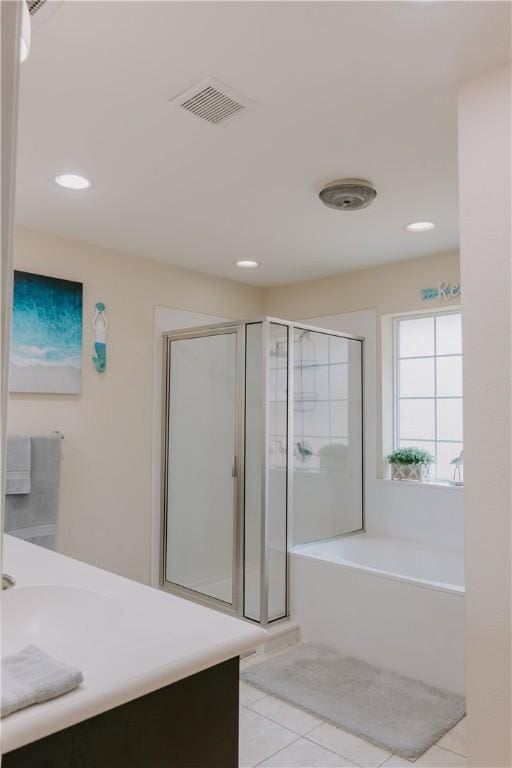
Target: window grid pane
[(444, 352)]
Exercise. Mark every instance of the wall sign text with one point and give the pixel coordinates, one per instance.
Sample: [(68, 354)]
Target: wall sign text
[(445, 291)]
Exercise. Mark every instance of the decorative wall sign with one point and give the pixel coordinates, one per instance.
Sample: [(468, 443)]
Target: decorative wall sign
[(46, 346), (100, 325), (444, 292)]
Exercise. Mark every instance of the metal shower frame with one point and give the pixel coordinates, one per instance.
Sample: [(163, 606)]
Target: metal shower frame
[(239, 327)]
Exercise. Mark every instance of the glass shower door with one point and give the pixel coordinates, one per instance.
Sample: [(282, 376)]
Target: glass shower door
[(327, 436), (201, 500)]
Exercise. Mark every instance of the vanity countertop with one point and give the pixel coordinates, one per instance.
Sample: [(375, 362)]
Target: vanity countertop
[(127, 638)]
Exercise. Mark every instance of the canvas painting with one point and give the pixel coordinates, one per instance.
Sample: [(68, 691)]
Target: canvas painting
[(46, 342)]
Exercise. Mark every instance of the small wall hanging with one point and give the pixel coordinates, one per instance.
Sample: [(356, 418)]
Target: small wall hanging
[(100, 325), (444, 292)]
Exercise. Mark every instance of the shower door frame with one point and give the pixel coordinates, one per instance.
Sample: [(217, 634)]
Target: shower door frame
[(239, 328)]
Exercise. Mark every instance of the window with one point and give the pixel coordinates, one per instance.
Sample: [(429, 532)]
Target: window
[(428, 387)]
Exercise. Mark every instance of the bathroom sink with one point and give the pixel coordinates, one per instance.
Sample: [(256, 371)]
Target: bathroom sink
[(54, 616)]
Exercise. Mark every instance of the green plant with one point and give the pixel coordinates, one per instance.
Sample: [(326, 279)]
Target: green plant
[(410, 456)]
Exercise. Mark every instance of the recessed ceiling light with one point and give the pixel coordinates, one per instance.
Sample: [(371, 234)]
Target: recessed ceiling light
[(72, 181), (247, 264), (420, 226)]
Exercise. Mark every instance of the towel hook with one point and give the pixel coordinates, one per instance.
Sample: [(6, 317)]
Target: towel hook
[(58, 432)]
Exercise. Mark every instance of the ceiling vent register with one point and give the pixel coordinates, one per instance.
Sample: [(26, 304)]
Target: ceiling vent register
[(213, 101), (35, 5)]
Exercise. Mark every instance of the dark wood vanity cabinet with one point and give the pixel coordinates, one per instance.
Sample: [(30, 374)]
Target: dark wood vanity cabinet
[(190, 724)]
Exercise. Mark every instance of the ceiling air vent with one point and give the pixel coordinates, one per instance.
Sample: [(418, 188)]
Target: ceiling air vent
[(42, 10), (212, 100), (35, 5)]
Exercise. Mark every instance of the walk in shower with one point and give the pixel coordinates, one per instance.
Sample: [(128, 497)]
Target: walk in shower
[(262, 449)]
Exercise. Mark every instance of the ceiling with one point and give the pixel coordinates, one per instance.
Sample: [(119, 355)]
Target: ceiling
[(365, 89)]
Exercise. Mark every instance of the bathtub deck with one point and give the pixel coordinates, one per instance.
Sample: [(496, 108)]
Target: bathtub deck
[(412, 561)]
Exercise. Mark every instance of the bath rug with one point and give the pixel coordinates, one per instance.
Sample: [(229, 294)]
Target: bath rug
[(404, 716)]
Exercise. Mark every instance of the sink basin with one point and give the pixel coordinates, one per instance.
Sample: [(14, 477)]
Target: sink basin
[(55, 616)]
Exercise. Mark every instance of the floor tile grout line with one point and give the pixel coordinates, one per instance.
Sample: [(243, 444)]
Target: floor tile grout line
[(394, 755), (337, 754), (447, 749), (278, 751), (263, 695), (384, 761), (324, 722), (286, 727), (254, 701), (343, 730)]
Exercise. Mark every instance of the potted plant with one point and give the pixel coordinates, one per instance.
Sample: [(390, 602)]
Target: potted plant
[(410, 464)]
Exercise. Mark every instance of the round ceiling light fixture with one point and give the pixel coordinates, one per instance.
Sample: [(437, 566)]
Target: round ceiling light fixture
[(420, 226), (348, 194), (72, 181), (25, 32), (247, 264)]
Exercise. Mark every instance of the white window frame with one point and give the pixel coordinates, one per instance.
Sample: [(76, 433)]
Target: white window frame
[(396, 380)]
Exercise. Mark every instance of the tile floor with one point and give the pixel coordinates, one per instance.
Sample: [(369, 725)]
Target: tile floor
[(276, 735)]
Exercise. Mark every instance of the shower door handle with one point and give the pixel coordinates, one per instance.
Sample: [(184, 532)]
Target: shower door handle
[(234, 468)]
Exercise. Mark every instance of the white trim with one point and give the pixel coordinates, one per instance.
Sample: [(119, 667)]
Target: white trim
[(425, 484)]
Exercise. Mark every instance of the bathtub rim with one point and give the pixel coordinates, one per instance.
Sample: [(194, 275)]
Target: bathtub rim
[(439, 586)]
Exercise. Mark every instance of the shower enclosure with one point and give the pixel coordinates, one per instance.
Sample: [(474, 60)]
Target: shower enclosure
[(262, 449)]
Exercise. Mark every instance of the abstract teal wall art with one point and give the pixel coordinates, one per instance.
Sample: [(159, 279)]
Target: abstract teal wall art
[(46, 341)]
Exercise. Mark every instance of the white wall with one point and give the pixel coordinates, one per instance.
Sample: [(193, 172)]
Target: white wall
[(389, 288), (485, 211), (107, 465)]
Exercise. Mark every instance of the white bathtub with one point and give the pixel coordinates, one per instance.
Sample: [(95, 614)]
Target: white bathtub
[(395, 603)]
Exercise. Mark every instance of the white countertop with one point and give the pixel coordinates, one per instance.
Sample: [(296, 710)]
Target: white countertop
[(129, 639)]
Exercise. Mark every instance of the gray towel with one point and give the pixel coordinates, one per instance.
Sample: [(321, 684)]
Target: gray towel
[(19, 451), (33, 516), (31, 677)]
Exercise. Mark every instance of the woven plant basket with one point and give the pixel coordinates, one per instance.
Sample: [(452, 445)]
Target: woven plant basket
[(415, 472)]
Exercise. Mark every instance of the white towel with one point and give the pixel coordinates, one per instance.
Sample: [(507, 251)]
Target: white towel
[(31, 677), (19, 459)]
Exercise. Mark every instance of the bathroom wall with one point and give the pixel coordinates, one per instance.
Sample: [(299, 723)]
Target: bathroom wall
[(390, 288), (111, 442), (107, 451), (485, 205)]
